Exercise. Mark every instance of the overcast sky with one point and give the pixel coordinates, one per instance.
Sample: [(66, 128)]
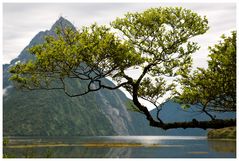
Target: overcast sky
[(22, 21)]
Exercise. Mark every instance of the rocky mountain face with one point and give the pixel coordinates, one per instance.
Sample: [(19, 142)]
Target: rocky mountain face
[(52, 113)]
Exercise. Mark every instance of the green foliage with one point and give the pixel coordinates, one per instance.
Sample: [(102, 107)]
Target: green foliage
[(7, 155), (214, 87), (5, 141), (63, 56), (224, 133), (185, 106), (161, 37), (157, 41)]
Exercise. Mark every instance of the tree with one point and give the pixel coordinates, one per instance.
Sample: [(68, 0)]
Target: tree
[(157, 41), (214, 88)]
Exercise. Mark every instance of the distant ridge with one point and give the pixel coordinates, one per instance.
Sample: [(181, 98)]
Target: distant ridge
[(52, 113)]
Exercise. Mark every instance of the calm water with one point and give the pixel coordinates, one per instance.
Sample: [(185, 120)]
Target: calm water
[(120, 147)]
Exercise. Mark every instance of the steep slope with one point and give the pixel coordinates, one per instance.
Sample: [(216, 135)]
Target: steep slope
[(53, 113), (99, 113)]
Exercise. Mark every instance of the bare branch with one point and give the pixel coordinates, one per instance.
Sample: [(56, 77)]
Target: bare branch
[(116, 87)]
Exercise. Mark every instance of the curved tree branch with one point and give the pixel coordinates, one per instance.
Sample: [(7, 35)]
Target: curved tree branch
[(213, 124)]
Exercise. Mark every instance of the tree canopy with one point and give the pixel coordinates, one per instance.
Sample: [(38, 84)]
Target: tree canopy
[(156, 41), (214, 88)]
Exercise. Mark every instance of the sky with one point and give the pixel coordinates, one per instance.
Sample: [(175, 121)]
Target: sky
[(22, 21)]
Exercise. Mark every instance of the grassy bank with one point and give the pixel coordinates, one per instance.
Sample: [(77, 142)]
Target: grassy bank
[(224, 133)]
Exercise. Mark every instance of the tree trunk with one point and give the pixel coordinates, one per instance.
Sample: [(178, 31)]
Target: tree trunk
[(212, 124)]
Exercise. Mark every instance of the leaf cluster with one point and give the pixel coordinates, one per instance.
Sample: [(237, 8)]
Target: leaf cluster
[(157, 41), (215, 87)]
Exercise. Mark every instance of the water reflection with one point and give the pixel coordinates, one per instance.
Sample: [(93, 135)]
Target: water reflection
[(222, 145), (67, 152), (79, 152), (120, 147)]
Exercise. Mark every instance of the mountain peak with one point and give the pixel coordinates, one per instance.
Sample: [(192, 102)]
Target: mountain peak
[(63, 23), (40, 37)]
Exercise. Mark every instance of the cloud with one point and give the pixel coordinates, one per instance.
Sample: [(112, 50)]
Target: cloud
[(22, 21), (20, 27)]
